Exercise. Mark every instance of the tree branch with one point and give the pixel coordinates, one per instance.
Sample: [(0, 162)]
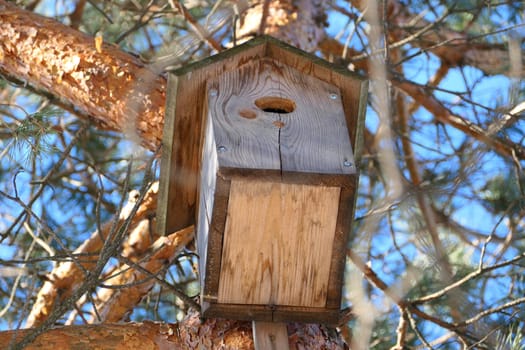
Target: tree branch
[(114, 88)]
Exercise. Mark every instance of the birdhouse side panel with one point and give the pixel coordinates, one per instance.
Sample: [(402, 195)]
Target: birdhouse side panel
[(206, 196)]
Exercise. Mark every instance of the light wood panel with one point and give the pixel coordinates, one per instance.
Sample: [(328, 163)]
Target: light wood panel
[(278, 244)]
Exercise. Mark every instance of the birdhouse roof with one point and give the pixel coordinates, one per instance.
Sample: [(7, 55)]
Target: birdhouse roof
[(270, 47)]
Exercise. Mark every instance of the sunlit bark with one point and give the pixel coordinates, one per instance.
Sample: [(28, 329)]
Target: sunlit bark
[(190, 334), (115, 89)]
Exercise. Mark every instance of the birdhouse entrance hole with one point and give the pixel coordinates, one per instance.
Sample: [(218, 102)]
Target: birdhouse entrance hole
[(273, 104)]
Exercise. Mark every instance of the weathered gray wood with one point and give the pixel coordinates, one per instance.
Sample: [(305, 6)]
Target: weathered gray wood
[(208, 180), (312, 137), (354, 89), (245, 142), (270, 336)]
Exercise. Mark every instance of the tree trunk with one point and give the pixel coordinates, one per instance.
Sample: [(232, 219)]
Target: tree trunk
[(190, 334)]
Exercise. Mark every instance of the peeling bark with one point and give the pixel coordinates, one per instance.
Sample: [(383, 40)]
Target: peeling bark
[(300, 23), (114, 88)]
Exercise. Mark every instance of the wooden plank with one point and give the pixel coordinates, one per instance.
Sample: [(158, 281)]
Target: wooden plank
[(324, 316), (269, 116), (276, 313), (290, 230), (215, 241), (208, 177), (166, 156), (239, 312), (289, 177), (270, 336), (343, 229)]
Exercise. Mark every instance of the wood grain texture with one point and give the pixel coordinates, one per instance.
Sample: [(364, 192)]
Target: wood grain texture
[(342, 232), (208, 180), (277, 244), (275, 313), (270, 336), (192, 165), (309, 136), (168, 179), (215, 241), (188, 118), (353, 88), (187, 130)]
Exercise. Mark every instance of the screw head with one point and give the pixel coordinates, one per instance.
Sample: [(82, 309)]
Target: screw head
[(333, 96), (213, 92), (221, 149), (347, 163)]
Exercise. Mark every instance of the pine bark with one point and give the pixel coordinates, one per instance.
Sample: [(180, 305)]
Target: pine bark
[(190, 334), (115, 89)]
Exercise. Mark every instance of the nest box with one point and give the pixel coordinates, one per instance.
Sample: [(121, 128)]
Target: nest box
[(260, 148)]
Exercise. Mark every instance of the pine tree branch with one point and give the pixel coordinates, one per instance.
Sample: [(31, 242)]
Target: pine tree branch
[(115, 89)]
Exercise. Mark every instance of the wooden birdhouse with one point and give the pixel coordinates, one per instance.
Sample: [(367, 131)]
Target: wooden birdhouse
[(260, 148)]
